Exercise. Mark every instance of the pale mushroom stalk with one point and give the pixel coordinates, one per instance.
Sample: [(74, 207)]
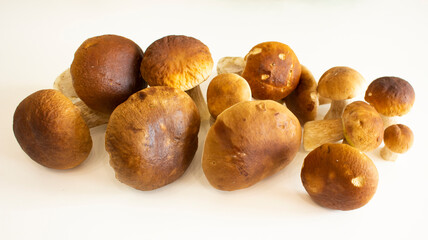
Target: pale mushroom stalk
[(323, 100), (316, 133), (387, 154), (336, 108), (388, 121), (196, 94)]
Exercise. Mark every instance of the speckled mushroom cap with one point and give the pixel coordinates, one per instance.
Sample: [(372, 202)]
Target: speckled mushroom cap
[(398, 138), (338, 176), (51, 130), (391, 96), (177, 61), (272, 70), (340, 83), (362, 126)]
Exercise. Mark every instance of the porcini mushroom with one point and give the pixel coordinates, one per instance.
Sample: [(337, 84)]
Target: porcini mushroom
[(248, 142), (51, 131), (230, 65), (391, 96), (181, 62), (152, 137), (361, 126), (398, 138), (340, 84), (225, 90), (338, 176), (272, 70)]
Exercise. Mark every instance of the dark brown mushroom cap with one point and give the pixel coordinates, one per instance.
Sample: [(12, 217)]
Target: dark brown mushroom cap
[(272, 70), (338, 176), (51, 131), (391, 96), (106, 71), (398, 138), (152, 137), (177, 61), (340, 83)]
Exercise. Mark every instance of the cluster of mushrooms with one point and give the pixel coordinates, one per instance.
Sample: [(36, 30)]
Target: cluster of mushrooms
[(256, 106)]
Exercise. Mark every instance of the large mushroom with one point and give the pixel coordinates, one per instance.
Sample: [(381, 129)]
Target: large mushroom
[(398, 138)]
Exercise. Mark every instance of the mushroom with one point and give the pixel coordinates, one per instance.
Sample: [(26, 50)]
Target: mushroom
[(361, 126), (303, 101), (152, 137), (339, 84), (51, 131), (248, 142), (338, 176), (398, 138), (181, 62), (224, 91), (106, 71), (391, 96), (231, 65), (272, 70)]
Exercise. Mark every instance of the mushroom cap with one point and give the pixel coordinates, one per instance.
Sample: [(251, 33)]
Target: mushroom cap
[(398, 138), (152, 137), (177, 61), (51, 131), (340, 83), (272, 70), (225, 90), (362, 126), (338, 176), (391, 96), (106, 71), (248, 142)]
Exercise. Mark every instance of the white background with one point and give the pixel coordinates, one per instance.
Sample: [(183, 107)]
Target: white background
[(378, 38)]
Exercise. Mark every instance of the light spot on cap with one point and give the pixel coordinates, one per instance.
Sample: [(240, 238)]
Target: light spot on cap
[(370, 94), (265, 76), (255, 51), (281, 56), (358, 181)]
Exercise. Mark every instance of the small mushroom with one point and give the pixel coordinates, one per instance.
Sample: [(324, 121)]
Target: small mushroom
[(51, 131), (398, 138), (391, 96), (338, 176), (360, 125), (339, 84), (230, 65), (181, 62)]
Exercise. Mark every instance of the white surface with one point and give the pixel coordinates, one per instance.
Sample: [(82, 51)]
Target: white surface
[(378, 38)]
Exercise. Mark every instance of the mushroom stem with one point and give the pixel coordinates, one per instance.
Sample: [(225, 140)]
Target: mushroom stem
[(336, 109), (387, 154), (316, 133), (388, 121), (196, 94), (231, 65), (323, 100)]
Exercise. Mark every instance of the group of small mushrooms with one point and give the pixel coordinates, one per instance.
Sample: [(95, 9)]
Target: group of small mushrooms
[(153, 107)]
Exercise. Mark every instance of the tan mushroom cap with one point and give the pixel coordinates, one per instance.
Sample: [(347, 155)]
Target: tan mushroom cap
[(398, 138), (391, 96), (340, 83), (338, 176), (51, 131), (106, 71), (177, 61), (152, 137), (272, 70), (362, 126), (225, 90)]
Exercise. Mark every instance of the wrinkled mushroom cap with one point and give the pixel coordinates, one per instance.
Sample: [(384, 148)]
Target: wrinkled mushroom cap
[(51, 131), (340, 83), (398, 138), (177, 61), (391, 96)]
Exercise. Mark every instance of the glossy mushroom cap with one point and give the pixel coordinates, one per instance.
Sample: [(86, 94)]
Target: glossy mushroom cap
[(338, 176), (340, 83), (51, 131), (398, 138), (248, 142), (106, 71), (177, 61), (272, 70), (225, 90), (152, 137), (391, 96)]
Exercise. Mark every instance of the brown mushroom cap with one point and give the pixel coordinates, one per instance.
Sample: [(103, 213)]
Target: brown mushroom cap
[(177, 61), (152, 137), (340, 83), (225, 90), (106, 71), (391, 96), (338, 176), (51, 131), (248, 142), (272, 70), (362, 126), (398, 138)]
